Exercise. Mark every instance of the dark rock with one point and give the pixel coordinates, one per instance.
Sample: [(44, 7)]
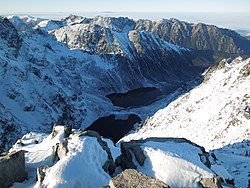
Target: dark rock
[(131, 178), (29, 108), (245, 71), (12, 168), (247, 112), (139, 155), (9, 33), (62, 149), (41, 172), (125, 159), (67, 131), (230, 182)]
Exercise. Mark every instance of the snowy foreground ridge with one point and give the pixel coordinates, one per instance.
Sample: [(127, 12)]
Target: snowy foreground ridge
[(82, 166), (214, 115)]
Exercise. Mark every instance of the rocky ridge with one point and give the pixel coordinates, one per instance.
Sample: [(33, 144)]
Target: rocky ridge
[(195, 36), (83, 158)]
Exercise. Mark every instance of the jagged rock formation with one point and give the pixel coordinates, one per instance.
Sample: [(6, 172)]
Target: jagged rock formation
[(196, 36), (9, 35), (12, 168), (131, 178), (215, 42)]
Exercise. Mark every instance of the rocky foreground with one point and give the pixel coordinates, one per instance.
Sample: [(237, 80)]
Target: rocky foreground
[(84, 159)]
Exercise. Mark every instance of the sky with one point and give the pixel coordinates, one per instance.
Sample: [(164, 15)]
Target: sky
[(232, 14), (33, 6)]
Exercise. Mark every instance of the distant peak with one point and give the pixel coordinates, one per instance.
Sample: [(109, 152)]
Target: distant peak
[(165, 20)]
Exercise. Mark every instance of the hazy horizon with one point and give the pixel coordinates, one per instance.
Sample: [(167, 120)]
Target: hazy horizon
[(125, 6), (235, 21), (223, 13)]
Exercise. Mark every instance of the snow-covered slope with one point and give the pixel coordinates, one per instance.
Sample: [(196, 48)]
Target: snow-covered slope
[(215, 115), (82, 167), (177, 164)]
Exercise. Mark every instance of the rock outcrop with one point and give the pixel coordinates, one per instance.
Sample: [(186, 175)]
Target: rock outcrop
[(12, 168), (9, 34), (132, 148), (163, 157), (196, 36), (131, 178), (211, 182)]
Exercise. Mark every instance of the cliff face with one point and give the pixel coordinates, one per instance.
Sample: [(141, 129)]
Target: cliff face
[(196, 36)]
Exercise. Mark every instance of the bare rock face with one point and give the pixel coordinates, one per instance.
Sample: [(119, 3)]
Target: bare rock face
[(196, 36), (131, 178), (9, 33), (211, 182), (12, 168)]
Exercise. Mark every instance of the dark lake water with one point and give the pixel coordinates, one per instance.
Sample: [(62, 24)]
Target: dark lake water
[(135, 98), (114, 127)]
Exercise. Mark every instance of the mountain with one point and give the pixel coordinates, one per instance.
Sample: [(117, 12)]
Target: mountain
[(209, 41), (49, 68), (215, 115), (44, 82), (65, 73), (216, 41), (195, 36)]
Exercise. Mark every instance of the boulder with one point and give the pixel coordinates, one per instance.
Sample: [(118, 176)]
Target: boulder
[(12, 168), (133, 148), (125, 159), (131, 178)]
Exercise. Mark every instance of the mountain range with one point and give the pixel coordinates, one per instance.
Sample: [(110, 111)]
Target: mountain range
[(62, 72)]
